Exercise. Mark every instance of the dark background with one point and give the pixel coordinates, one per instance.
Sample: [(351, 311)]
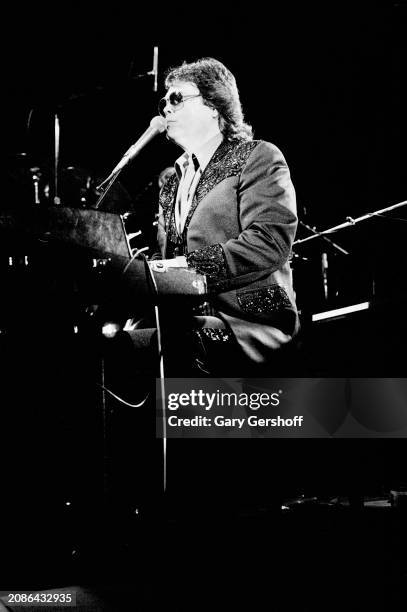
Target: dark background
[(323, 83)]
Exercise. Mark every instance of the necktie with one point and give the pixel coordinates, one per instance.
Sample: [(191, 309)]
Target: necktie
[(184, 192)]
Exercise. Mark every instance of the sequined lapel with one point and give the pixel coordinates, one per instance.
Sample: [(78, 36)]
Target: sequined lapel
[(228, 160), (167, 197), (167, 203)]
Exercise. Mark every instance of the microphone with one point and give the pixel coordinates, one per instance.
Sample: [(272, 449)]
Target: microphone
[(157, 126)]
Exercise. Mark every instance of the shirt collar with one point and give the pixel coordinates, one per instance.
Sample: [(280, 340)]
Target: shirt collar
[(201, 156)]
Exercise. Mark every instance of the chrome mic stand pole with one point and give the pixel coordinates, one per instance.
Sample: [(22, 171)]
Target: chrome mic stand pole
[(57, 199), (154, 291), (324, 256), (316, 233), (108, 182), (350, 222), (154, 71), (105, 189)]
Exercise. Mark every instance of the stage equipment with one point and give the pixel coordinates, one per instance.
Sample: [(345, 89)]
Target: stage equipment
[(157, 126), (104, 235), (350, 222), (322, 281)]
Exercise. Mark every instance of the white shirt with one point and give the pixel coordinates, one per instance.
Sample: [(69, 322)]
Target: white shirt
[(189, 175), (190, 167)]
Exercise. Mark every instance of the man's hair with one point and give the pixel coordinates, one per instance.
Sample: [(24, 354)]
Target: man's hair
[(218, 88)]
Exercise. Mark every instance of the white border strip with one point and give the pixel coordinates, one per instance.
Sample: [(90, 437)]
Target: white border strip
[(329, 314)]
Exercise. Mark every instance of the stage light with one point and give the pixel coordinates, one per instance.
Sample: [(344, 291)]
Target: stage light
[(109, 329)]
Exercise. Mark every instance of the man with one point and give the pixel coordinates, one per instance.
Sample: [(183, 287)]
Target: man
[(229, 212)]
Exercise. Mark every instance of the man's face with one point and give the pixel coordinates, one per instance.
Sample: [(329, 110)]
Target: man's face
[(189, 123)]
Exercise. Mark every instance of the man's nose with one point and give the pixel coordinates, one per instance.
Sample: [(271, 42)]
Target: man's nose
[(168, 108)]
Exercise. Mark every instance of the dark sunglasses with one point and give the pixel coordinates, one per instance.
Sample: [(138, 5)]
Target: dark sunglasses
[(176, 99)]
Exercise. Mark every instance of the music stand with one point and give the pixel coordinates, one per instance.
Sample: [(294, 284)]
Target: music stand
[(98, 230)]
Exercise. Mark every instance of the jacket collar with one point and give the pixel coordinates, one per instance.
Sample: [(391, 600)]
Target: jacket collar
[(227, 160)]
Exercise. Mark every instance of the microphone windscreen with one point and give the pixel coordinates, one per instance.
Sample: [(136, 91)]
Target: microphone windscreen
[(158, 123)]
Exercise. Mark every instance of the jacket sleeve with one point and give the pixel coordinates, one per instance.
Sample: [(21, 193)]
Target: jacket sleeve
[(166, 197), (159, 247), (266, 209)]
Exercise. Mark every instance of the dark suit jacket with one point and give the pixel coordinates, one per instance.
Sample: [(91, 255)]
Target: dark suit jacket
[(239, 232)]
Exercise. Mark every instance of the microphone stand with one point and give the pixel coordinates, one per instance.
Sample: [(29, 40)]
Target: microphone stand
[(157, 126), (108, 182), (349, 222), (153, 72), (324, 256), (154, 292), (316, 233), (57, 199)]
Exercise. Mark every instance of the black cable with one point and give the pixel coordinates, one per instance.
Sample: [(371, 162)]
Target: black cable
[(121, 400)]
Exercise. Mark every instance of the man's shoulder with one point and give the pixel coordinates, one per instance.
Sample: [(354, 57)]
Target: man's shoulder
[(245, 148), (234, 152), (267, 152)]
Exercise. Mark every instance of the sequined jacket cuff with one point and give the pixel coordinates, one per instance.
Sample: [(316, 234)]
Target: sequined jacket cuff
[(210, 261)]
